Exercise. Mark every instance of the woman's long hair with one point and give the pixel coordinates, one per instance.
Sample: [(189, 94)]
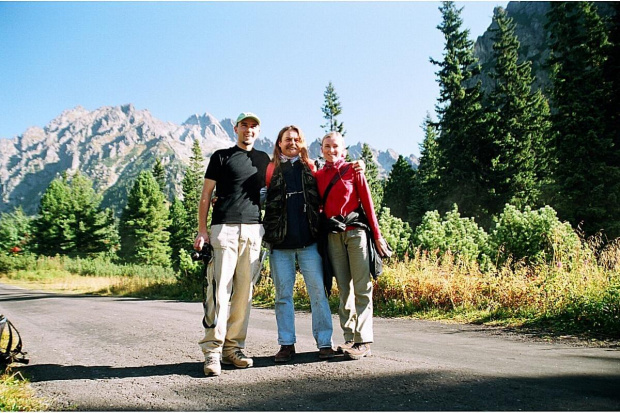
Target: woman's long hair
[(303, 146)]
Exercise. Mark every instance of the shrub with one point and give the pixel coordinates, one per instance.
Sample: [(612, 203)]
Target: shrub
[(15, 230), (534, 236), (190, 271), (396, 232), (461, 236)]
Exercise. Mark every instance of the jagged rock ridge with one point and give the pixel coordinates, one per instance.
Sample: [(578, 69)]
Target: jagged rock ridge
[(112, 145)]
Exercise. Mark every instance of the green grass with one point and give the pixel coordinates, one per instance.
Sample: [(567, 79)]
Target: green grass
[(16, 394)]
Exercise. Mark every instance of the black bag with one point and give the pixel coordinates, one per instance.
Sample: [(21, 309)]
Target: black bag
[(376, 260), (10, 344)]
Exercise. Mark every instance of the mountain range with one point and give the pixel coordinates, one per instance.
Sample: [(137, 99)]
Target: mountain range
[(112, 145)]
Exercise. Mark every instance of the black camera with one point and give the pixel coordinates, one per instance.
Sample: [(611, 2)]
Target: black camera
[(205, 254)]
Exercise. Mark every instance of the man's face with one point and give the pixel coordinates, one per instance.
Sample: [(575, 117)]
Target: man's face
[(290, 145), (333, 149), (247, 131)]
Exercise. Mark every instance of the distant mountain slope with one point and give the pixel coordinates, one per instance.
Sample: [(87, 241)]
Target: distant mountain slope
[(530, 18), (112, 145)]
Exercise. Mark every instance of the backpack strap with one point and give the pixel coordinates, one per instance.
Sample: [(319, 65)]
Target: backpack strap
[(334, 180), (11, 353), (270, 167)]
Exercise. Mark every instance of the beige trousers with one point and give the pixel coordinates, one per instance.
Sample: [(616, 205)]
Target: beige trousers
[(236, 259), (348, 253)]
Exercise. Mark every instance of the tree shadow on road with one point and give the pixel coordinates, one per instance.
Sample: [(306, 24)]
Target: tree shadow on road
[(49, 372), (307, 357), (411, 391)]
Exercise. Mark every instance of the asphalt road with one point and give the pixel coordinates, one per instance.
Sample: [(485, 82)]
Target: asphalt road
[(107, 353)]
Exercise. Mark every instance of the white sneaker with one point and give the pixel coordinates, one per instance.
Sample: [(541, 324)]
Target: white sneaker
[(238, 359), (212, 364)]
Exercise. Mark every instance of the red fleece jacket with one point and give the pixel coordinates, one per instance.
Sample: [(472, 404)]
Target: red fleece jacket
[(347, 193)]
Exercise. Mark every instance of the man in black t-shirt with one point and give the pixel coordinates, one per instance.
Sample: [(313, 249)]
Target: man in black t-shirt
[(236, 234)]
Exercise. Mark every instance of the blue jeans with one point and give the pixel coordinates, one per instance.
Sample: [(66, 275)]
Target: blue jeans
[(282, 264)]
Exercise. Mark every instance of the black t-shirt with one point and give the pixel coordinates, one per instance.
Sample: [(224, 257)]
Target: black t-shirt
[(239, 176)]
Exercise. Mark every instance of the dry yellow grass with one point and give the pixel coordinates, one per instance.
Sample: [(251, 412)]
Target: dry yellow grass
[(582, 287), (61, 281)]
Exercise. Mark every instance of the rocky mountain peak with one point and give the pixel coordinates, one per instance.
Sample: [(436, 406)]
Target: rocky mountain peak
[(112, 145), (201, 120)]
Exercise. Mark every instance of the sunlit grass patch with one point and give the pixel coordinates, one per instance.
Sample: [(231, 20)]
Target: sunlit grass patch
[(59, 281), (16, 395), (583, 297)]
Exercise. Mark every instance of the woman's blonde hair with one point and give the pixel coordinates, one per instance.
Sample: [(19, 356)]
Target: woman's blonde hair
[(303, 146), (332, 134)]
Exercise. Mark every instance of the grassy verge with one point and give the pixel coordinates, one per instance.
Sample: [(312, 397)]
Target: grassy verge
[(16, 394), (580, 298)]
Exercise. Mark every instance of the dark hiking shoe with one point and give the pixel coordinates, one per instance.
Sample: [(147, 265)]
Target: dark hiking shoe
[(326, 353), (285, 354)]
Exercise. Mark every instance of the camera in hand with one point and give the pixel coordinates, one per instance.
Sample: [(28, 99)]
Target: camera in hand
[(205, 254)]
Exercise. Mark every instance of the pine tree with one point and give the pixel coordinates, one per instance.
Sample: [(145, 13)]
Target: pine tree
[(587, 172), (397, 192), (70, 220), (144, 237), (178, 231), (192, 187), (518, 125), (372, 176), (331, 110), (461, 120), (184, 223), (612, 77), (426, 179), (160, 174)]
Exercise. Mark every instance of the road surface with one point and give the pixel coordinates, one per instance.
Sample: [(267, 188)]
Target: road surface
[(109, 353)]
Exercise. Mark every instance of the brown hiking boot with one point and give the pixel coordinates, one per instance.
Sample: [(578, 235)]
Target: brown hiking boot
[(238, 359), (326, 353), (347, 345), (358, 351), (285, 354)]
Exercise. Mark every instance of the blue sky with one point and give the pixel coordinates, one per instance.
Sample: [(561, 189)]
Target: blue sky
[(272, 58)]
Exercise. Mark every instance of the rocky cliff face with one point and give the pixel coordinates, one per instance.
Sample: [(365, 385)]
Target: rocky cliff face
[(112, 145), (530, 18)]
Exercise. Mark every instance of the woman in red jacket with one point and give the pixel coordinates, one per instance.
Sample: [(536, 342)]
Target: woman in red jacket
[(347, 245)]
